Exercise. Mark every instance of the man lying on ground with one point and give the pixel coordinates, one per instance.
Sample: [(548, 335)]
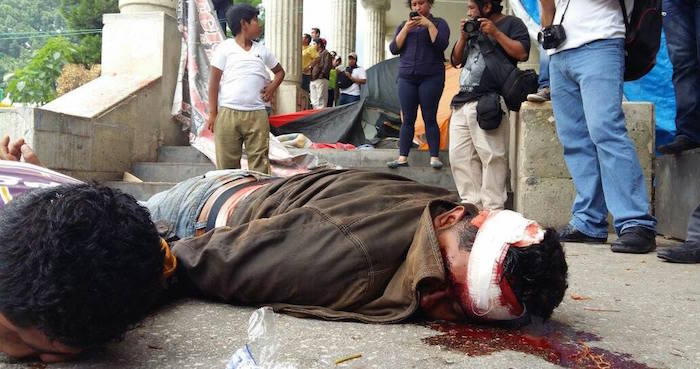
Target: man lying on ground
[(331, 244)]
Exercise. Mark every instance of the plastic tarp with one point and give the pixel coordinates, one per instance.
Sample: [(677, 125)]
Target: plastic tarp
[(655, 87), (339, 124), (382, 93)]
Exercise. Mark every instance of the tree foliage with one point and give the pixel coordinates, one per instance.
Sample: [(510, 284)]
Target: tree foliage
[(36, 82), (87, 14), (18, 18)]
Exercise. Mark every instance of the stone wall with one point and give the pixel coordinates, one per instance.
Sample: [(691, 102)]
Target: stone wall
[(542, 183)]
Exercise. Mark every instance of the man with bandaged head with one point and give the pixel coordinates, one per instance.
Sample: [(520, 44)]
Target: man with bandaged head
[(329, 244)]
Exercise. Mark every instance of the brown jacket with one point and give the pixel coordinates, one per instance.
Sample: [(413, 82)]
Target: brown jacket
[(321, 67), (332, 244)]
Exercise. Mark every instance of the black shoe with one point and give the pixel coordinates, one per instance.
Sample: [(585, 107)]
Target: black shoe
[(689, 253), (679, 144), (635, 240), (571, 234)]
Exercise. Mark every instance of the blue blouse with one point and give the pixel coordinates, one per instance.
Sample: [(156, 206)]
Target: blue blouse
[(419, 55)]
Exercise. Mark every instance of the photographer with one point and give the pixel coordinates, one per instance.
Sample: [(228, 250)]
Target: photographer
[(478, 126), (586, 40)]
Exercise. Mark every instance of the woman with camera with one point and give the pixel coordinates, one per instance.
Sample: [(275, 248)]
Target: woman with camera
[(421, 42)]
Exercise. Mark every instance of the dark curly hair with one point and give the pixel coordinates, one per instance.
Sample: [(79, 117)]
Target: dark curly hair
[(408, 2), (81, 263), (495, 5), (538, 274)]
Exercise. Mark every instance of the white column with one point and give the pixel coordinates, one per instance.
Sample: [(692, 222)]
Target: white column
[(344, 14), (139, 6), (376, 35), (283, 22)]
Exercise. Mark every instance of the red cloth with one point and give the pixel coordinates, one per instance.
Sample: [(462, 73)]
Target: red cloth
[(280, 120), (337, 145)]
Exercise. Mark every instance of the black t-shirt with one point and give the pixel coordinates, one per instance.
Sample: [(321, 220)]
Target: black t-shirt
[(511, 26)]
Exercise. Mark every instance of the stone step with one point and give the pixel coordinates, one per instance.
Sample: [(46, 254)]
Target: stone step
[(140, 191), (347, 159), (169, 172), (374, 158), (176, 172), (181, 154), (677, 191)]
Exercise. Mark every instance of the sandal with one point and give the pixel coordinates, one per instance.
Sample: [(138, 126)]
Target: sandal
[(395, 164), (436, 164)]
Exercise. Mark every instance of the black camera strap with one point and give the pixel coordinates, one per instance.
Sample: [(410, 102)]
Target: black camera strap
[(563, 14)]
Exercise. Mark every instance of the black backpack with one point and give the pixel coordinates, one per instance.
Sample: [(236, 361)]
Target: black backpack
[(515, 84), (643, 37), (341, 80)]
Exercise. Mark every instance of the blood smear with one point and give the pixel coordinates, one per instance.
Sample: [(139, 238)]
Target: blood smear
[(559, 345)]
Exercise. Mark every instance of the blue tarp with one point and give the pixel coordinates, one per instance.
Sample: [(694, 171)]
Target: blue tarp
[(655, 87)]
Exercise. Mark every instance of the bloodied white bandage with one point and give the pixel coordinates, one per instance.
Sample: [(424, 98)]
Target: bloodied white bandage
[(489, 296)]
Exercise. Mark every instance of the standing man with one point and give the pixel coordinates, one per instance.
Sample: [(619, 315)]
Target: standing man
[(320, 72), (682, 27), (591, 126), (357, 75), (478, 149), (315, 33), (308, 54), (239, 88), (689, 253)]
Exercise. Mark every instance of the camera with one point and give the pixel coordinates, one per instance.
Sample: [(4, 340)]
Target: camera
[(551, 37), (413, 15), (471, 26)]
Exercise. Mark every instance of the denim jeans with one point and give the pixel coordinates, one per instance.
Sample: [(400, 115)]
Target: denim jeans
[(426, 92), (682, 28), (586, 85), (543, 80), (347, 99), (180, 206), (694, 227)]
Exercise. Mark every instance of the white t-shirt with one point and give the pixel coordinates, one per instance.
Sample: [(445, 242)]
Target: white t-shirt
[(245, 74), (354, 89), (590, 20)]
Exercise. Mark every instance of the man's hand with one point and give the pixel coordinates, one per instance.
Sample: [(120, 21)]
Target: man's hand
[(211, 121), (463, 34), (17, 151), (488, 28), (268, 93)]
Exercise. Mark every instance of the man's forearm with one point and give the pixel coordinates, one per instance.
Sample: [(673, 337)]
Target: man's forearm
[(548, 9), (458, 52)]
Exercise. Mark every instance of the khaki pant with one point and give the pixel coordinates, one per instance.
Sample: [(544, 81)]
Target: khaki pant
[(319, 93), (478, 158), (232, 129)]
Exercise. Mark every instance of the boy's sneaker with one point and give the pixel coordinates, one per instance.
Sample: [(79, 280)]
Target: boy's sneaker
[(541, 96)]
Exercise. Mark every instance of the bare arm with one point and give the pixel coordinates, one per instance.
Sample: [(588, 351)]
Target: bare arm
[(548, 9), (214, 81), (269, 90), (457, 54)]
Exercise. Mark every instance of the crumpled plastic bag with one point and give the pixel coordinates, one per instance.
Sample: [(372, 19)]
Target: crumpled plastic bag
[(262, 348)]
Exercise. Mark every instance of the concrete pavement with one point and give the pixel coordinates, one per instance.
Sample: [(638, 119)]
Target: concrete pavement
[(632, 311)]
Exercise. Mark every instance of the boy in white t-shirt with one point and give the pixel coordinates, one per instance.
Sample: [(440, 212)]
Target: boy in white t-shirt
[(239, 90)]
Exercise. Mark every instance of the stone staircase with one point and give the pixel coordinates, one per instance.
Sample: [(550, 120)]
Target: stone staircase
[(177, 163)]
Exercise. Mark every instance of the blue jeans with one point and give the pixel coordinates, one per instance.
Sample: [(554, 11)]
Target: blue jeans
[(597, 149), (180, 206), (543, 80), (682, 27), (347, 99), (426, 92)]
